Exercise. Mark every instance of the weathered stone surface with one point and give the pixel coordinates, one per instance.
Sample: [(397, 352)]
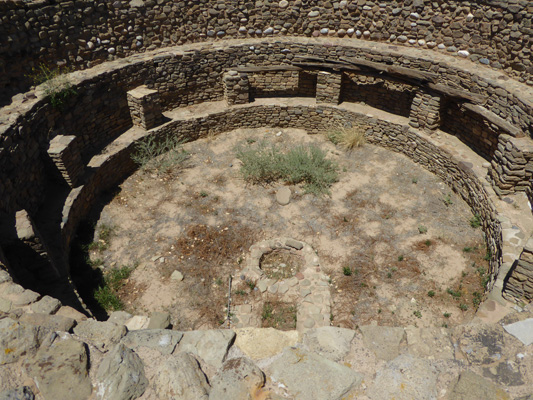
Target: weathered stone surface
[(283, 195), (159, 320), (102, 335), (258, 343), (330, 342), (432, 343), (137, 322), (120, 375), (384, 341), (67, 311), (47, 305), (18, 340), (22, 393), (60, 371), (52, 322), (470, 386), (237, 379), (211, 346), (180, 377), (310, 376), (522, 330), (405, 378), (119, 317), (162, 340)]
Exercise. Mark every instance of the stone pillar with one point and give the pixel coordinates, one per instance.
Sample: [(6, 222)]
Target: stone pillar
[(425, 111), (236, 87), (519, 287), (328, 87), (512, 165), (145, 107), (66, 156)]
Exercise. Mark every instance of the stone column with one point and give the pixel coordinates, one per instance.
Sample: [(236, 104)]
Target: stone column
[(519, 287), (145, 107), (328, 87), (425, 111), (66, 156), (236, 87), (511, 168)]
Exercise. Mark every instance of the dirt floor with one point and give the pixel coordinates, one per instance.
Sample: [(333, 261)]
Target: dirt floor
[(396, 242)]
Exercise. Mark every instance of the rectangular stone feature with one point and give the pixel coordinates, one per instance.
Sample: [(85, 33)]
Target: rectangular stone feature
[(236, 87), (66, 157), (145, 107), (328, 87)]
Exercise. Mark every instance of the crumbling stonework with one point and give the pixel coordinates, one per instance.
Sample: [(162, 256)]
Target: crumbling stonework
[(520, 282)]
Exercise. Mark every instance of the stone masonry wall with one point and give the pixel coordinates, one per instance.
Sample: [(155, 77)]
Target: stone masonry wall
[(274, 84), (99, 112), (520, 282), (84, 33), (388, 96), (315, 119)]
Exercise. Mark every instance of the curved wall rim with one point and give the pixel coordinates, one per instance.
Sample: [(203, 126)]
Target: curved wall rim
[(84, 33), (115, 166), (193, 74)]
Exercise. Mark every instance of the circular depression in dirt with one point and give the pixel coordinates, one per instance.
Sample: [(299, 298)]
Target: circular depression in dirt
[(398, 246)]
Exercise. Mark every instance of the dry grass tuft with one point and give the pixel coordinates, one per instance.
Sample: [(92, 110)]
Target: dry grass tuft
[(348, 137)]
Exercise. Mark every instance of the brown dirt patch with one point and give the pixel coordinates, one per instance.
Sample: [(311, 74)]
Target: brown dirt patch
[(201, 219)]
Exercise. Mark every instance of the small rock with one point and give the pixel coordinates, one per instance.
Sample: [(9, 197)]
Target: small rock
[(522, 330), (180, 377), (283, 195), (470, 386), (18, 340), (119, 317), (405, 378), (52, 322), (384, 341), (283, 4), (111, 50), (212, 346), (47, 305), (463, 53), (137, 322), (159, 320), (60, 371), (22, 393), (162, 340), (176, 276), (102, 335), (324, 379), (67, 311), (259, 343), (313, 14), (238, 379), (330, 342), (120, 375), (295, 244)]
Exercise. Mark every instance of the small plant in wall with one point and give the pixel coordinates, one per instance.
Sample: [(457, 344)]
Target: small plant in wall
[(55, 83)]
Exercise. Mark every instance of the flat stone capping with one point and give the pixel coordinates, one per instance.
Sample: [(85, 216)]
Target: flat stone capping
[(493, 118)]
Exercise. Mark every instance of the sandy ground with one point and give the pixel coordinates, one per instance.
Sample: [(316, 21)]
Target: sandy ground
[(201, 219)]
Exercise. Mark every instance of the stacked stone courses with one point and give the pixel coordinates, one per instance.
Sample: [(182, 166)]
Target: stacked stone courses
[(100, 112), (488, 32)]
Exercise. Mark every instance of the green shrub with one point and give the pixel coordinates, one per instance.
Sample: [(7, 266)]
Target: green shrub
[(346, 271), (475, 221), (302, 164), (159, 155), (55, 83), (106, 295)]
